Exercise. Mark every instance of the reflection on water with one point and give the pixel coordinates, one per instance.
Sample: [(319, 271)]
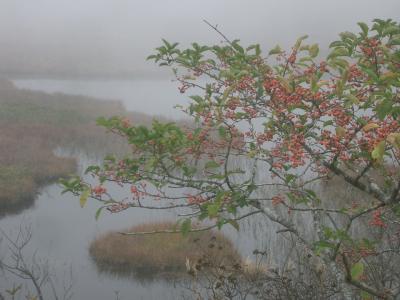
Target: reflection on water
[(62, 232), (17, 208), (145, 277)]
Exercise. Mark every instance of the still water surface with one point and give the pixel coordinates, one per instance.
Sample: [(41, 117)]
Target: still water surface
[(61, 233)]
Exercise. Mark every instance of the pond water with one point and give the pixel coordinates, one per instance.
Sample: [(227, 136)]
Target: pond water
[(62, 231)]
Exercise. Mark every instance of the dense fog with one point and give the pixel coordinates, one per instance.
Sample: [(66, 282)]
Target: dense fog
[(57, 38)]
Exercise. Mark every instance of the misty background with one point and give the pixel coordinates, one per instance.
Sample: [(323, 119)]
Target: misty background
[(112, 38), (64, 63)]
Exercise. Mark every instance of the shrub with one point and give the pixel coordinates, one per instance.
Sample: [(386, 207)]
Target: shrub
[(285, 121)]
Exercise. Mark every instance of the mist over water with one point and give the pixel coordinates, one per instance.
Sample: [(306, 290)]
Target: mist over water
[(98, 48), (153, 97)]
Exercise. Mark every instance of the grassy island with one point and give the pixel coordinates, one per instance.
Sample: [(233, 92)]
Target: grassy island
[(163, 254)]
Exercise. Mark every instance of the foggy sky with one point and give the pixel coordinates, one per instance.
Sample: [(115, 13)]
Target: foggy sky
[(86, 37)]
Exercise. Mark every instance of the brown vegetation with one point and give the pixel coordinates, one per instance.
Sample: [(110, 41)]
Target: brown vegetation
[(159, 254), (33, 124), (26, 164)]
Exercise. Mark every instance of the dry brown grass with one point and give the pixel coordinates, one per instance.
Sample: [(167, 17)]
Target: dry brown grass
[(159, 253), (15, 186), (26, 164), (33, 124)]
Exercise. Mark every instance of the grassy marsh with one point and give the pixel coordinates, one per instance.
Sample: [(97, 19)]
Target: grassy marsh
[(33, 124)]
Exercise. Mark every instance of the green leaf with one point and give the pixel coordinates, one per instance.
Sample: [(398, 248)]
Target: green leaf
[(311, 193), (384, 108), (314, 50), (370, 72), (92, 169), (314, 85), (394, 139), (328, 232), (323, 245), (299, 41), (394, 41), (217, 176), (237, 47), (98, 212), (256, 47), (340, 131), (212, 164), (168, 45), (150, 163), (213, 209), (340, 51), (221, 222), (186, 226), (84, 196), (222, 131), (391, 30), (336, 44), (151, 57), (197, 98), (289, 178), (275, 50), (234, 223), (357, 271), (379, 151), (339, 62), (353, 100), (347, 36), (365, 296), (361, 121), (364, 28)]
